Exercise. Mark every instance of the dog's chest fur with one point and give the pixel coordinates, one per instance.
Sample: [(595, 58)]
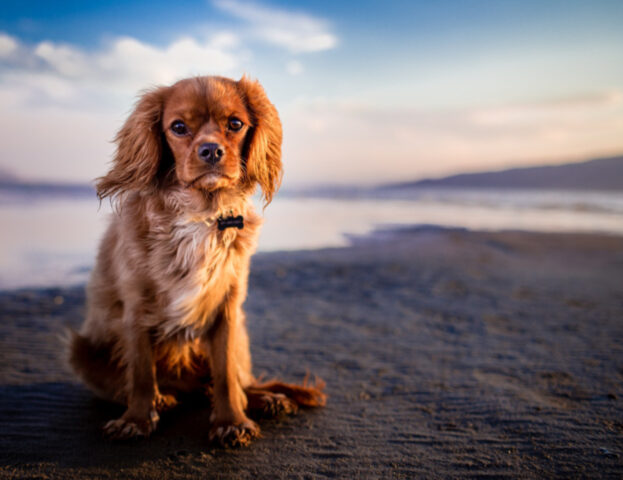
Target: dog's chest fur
[(201, 265)]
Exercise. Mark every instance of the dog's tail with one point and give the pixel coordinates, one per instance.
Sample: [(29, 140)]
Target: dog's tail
[(95, 365), (306, 395)]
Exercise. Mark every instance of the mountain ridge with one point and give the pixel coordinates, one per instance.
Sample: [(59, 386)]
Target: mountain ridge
[(595, 174)]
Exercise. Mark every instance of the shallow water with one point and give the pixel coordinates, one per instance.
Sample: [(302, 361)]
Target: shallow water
[(52, 240)]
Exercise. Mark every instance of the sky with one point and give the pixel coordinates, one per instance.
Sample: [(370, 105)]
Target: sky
[(368, 91)]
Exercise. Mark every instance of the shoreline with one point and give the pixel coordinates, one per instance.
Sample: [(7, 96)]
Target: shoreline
[(383, 232), (446, 353)]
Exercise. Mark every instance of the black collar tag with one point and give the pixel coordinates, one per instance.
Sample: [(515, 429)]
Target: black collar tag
[(230, 222)]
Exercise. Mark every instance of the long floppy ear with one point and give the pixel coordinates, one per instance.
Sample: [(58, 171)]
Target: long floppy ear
[(139, 148), (263, 151)]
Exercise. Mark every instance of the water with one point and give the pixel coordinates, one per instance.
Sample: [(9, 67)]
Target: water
[(52, 240)]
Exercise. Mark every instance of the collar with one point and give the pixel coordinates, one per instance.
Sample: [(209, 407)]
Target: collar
[(230, 221)]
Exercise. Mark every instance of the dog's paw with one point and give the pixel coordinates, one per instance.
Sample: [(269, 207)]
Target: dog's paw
[(233, 434), (164, 403), (128, 427), (270, 405)]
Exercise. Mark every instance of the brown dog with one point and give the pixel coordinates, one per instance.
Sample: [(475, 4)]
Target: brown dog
[(164, 303)]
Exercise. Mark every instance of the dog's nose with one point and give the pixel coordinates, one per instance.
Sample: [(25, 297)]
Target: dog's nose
[(211, 152)]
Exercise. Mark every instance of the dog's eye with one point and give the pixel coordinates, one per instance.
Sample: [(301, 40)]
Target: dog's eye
[(179, 128), (235, 124)]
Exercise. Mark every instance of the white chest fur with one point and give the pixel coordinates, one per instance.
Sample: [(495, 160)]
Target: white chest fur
[(205, 263)]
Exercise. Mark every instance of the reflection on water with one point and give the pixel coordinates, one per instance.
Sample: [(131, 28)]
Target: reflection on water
[(52, 241)]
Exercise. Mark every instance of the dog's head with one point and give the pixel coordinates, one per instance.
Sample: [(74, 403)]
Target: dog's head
[(204, 133)]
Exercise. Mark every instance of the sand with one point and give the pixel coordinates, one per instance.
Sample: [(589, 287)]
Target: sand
[(446, 353)]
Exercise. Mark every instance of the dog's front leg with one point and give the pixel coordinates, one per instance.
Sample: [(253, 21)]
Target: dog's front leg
[(230, 426), (141, 416)]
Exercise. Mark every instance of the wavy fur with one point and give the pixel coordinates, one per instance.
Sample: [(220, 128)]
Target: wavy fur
[(164, 303)]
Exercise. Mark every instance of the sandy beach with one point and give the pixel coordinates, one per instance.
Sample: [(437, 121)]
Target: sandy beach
[(446, 354)]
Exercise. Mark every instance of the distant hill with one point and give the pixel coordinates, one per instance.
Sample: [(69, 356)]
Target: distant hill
[(13, 185), (597, 174)]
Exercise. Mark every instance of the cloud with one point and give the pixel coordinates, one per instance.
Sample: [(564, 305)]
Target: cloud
[(58, 72), (296, 32), (558, 109), (340, 142), (294, 67), (8, 45)]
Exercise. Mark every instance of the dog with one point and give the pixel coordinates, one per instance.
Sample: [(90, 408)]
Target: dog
[(164, 301)]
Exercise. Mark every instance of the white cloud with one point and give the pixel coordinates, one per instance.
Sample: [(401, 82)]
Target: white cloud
[(524, 115), (143, 64), (8, 45), (123, 66), (294, 67), (57, 72), (332, 142), (65, 60), (296, 32)]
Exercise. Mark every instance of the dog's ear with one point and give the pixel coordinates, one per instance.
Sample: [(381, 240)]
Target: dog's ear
[(263, 149), (139, 148)]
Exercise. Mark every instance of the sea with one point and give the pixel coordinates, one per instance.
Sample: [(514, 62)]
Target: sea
[(50, 239)]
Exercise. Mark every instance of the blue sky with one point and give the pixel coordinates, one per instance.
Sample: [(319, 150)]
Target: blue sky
[(368, 91)]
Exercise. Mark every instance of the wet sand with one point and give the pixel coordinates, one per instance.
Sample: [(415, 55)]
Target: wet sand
[(446, 353)]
